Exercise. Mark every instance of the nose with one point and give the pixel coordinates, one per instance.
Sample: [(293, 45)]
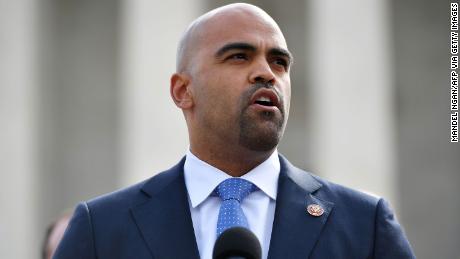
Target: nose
[(262, 73)]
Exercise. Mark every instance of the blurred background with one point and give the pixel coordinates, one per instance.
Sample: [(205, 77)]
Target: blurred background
[(85, 106)]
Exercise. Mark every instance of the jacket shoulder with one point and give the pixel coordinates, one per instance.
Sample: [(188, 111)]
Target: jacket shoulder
[(346, 196), (135, 194)]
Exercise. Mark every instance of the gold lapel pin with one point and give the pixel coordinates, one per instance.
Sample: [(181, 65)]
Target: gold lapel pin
[(315, 210)]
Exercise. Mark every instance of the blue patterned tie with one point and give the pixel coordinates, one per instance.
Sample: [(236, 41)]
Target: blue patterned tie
[(232, 192)]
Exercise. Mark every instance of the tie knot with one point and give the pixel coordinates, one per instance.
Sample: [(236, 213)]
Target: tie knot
[(234, 188)]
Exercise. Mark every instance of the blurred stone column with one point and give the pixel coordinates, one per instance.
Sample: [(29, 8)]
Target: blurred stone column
[(351, 95), (18, 41), (153, 131), (79, 100), (429, 163)]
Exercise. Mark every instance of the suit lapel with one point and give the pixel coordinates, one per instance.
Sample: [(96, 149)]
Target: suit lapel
[(295, 231), (164, 220), (166, 225)]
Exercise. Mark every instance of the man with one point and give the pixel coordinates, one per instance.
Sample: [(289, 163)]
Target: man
[(54, 234), (233, 86)]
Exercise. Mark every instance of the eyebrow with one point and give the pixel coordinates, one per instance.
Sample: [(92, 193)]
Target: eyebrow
[(234, 46), (249, 47)]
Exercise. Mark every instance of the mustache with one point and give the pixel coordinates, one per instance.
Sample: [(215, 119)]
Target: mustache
[(259, 85)]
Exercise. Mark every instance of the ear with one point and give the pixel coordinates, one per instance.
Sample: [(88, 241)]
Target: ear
[(180, 91)]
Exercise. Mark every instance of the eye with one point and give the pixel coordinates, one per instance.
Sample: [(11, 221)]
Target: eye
[(238, 56), (281, 62)]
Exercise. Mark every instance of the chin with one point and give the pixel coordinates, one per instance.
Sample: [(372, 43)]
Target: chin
[(261, 131), (260, 141)]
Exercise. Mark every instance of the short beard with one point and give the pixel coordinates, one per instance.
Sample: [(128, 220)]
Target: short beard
[(252, 136)]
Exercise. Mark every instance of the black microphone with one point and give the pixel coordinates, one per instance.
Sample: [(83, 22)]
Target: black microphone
[(237, 243)]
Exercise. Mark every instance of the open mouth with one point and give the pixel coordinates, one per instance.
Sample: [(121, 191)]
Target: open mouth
[(265, 101), (267, 98)]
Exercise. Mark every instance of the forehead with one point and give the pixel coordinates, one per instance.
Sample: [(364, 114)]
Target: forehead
[(255, 28)]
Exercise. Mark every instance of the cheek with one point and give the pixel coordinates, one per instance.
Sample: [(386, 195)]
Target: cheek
[(287, 92), (219, 91), (288, 96), (223, 88), (211, 99)]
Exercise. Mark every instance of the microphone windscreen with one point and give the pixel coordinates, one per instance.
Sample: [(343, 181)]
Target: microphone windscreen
[(237, 242)]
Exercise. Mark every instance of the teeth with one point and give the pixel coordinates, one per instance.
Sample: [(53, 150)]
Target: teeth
[(263, 99)]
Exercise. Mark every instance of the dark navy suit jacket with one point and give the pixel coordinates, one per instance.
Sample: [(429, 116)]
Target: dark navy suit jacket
[(152, 220)]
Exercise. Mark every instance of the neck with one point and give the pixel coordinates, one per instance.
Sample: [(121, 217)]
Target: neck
[(236, 162)]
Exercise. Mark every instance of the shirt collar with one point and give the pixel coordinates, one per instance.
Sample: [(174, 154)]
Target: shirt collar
[(202, 178)]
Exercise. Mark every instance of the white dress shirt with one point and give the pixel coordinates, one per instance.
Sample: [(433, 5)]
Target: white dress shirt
[(259, 207)]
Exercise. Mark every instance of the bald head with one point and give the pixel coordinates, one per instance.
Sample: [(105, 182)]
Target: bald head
[(214, 21)]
